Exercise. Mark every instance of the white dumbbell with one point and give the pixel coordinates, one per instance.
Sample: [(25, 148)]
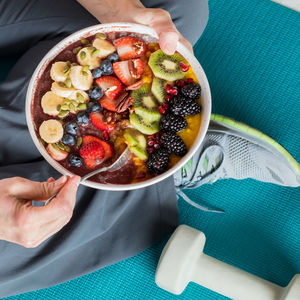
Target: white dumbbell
[(183, 260)]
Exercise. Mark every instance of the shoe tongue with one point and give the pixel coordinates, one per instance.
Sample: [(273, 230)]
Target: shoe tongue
[(210, 160)]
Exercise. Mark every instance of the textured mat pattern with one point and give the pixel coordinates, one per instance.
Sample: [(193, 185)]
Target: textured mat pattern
[(250, 52)]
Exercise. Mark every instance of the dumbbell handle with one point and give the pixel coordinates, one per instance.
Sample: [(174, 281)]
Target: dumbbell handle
[(233, 282)]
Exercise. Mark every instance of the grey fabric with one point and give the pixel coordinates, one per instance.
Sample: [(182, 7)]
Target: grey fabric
[(106, 227)]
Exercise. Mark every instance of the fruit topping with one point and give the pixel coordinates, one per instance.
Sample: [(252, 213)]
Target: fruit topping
[(92, 150), (95, 93), (59, 71), (50, 102), (56, 153), (184, 67), (60, 89), (173, 144), (108, 150), (136, 143), (93, 107), (158, 162), (143, 125), (113, 57), (106, 48), (172, 123), (128, 71), (130, 47), (83, 118), (97, 73), (75, 161), (145, 104), (106, 67), (71, 128), (81, 78), (135, 86), (68, 139), (191, 90), (158, 89), (51, 131), (89, 56), (111, 86), (97, 121), (166, 66), (182, 106)]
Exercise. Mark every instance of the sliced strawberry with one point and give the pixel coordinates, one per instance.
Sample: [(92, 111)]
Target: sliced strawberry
[(97, 121), (108, 149), (90, 163), (129, 71), (130, 47), (93, 150), (139, 66), (108, 103), (111, 86)]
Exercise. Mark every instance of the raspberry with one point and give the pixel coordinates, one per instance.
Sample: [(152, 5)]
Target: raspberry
[(158, 162), (172, 123), (181, 106), (173, 144), (191, 90)]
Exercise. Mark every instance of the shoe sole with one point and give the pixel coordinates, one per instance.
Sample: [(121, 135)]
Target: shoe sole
[(256, 134)]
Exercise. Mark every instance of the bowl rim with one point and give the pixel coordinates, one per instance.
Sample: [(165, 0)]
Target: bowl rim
[(118, 27)]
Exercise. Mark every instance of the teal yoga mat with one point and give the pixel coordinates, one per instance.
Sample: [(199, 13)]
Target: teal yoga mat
[(250, 52)]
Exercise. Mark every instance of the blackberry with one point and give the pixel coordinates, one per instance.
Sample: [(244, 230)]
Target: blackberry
[(183, 107), (191, 90), (172, 123), (173, 143), (158, 162)]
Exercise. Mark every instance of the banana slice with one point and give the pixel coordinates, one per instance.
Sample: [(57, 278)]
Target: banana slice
[(76, 96), (86, 56), (106, 48), (56, 153), (81, 80), (60, 90), (49, 103), (51, 131), (57, 71)]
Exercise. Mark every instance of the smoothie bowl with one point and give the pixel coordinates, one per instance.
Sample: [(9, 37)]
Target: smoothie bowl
[(108, 87)]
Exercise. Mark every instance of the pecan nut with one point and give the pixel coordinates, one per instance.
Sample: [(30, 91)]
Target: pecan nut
[(124, 102)]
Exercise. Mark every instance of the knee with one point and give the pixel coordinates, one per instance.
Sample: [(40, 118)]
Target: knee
[(191, 19)]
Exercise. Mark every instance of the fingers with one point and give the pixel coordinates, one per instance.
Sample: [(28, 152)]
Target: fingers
[(31, 190)]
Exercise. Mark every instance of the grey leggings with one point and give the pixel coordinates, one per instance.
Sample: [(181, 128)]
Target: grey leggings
[(106, 227)]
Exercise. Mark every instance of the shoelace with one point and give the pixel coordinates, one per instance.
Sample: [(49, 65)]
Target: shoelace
[(208, 177)]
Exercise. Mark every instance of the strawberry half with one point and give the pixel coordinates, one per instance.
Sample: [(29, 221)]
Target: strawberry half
[(130, 47), (97, 121), (128, 71), (93, 150), (111, 86), (108, 150), (108, 103)]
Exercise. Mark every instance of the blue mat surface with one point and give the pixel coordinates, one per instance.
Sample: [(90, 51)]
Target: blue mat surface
[(250, 52)]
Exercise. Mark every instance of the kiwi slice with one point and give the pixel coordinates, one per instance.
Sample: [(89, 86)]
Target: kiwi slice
[(143, 125), (131, 137), (145, 104), (158, 89), (166, 66), (139, 152)]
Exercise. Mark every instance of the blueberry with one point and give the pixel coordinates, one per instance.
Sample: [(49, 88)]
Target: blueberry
[(94, 107), (113, 57), (68, 139), (106, 67), (83, 118), (97, 73), (71, 128), (75, 161), (95, 93)]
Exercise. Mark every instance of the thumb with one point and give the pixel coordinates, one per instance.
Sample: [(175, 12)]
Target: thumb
[(32, 190), (168, 41)]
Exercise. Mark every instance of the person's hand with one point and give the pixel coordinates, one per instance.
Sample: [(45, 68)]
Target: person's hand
[(107, 11), (28, 225)]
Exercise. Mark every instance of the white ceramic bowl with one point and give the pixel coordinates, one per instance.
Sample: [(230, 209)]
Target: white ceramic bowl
[(119, 27)]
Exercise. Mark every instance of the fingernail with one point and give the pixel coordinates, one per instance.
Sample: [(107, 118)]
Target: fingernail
[(61, 180), (76, 179)]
